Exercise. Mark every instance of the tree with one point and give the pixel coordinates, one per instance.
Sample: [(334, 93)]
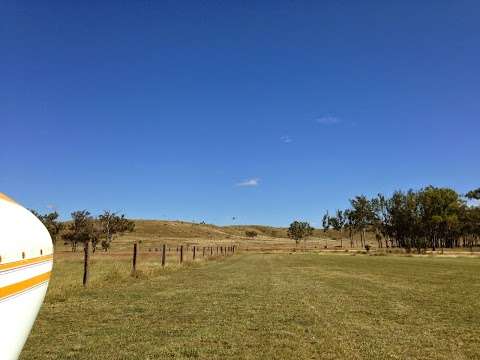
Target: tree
[(251, 233), (326, 221), (81, 229), (51, 222), (111, 225), (362, 215), (474, 194), (299, 230), (349, 224), (337, 222)]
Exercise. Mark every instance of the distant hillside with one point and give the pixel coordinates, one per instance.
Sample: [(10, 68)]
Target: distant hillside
[(185, 229), (152, 233)]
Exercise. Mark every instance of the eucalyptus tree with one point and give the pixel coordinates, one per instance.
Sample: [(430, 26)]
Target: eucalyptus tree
[(362, 215), (81, 229), (326, 222), (381, 219), (111, 224), (473, 194), (470, 226), (349, 224), (337, 222), (299, 230)]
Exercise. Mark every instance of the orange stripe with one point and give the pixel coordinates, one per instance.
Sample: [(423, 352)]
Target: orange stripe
[(19, 263), (6, 198), (13, 289)]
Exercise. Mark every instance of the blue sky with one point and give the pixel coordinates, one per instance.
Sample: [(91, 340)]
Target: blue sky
[(263, 111)]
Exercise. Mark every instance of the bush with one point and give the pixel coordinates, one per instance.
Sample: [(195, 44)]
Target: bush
[(251, 233)]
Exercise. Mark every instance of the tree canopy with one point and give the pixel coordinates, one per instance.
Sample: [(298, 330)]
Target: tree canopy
[(299, 230), (430, 217)]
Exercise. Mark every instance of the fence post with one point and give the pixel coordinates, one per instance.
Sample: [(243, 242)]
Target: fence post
[(181, 254), (211, 251), (203, 255), (164, 248), (194, 252), (85, 263), (134, 262)]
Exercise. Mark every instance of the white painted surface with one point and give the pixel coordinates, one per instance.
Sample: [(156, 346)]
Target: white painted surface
[(22, 237), (17, 316)]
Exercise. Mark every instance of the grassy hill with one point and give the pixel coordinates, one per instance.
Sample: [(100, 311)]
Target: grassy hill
[(153, 233), (184, 229)]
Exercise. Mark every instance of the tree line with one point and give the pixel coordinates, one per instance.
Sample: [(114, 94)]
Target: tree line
[(84, 228), (431, 217)]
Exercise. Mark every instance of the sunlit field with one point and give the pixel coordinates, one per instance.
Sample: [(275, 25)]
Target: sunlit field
[(262, 306)]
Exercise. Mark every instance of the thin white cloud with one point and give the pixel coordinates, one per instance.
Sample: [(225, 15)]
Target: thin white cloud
[(328, 120), (286, 139), (249, 183)]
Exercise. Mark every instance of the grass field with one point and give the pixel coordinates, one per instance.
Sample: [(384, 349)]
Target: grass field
[(263, 306)]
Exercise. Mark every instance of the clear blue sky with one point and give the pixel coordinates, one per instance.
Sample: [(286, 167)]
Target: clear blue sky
[(205, 110)]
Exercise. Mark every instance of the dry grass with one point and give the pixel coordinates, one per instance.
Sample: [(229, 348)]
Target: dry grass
[(263, 306)]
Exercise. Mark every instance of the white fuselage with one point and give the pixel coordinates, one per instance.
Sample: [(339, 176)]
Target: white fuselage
[(26, 258)]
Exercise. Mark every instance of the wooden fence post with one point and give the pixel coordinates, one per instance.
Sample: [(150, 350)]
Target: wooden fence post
[(194, 250), (211, 251), (203, 255), (134, 262), (164, 248), (85, 263), (181, 254)]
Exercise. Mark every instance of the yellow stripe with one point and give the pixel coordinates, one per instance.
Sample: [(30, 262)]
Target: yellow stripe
[(19, 263), (14, 289), (6, 198)]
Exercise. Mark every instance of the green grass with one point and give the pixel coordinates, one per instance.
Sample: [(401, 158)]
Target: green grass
[(264, 306)]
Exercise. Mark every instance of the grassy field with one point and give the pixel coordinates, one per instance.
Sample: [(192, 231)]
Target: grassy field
[(263, 306)]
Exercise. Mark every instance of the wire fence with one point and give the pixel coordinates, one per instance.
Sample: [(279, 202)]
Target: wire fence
[(181, 253)]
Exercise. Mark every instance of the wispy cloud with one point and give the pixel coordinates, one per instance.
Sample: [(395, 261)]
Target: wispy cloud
[(286, 139), (249, 183), (328, 120)]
